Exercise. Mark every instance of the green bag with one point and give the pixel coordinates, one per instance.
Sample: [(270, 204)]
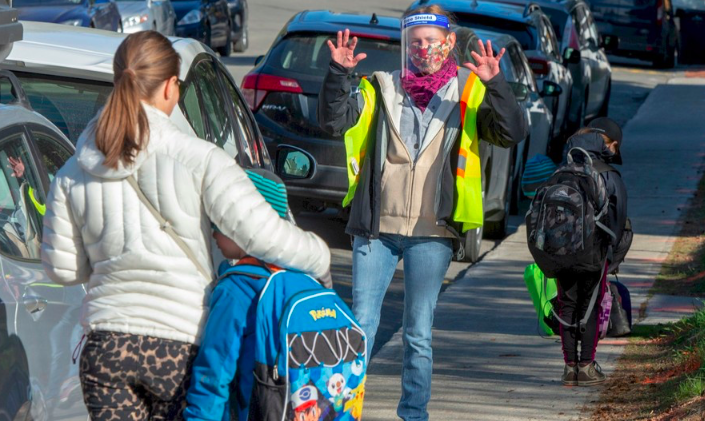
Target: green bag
[(544, 298)]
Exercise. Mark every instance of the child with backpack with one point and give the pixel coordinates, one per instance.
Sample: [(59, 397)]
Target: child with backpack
[(575, 231), (235, 374)]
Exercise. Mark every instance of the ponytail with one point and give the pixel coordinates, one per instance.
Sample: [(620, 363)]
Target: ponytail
[(142, 63)]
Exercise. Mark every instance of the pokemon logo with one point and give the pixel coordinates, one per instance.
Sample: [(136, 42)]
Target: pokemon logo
[(324, 312)]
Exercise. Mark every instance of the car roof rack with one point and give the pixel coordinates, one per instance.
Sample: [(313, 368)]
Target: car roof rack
[(530, 8), (16, 89)]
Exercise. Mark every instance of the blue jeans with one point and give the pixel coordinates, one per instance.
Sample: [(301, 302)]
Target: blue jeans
[(426, 260)]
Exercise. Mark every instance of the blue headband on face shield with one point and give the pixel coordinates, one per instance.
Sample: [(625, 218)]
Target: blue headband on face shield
[(426, 19)]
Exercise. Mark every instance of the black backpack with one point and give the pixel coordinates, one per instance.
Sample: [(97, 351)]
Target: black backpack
[(565, 224)]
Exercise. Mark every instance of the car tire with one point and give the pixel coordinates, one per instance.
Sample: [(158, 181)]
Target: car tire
[(227, 49), (497, 230), (120, 29), (473, 244), (667, 60), (240, 46), (604, 109), (517, 194)]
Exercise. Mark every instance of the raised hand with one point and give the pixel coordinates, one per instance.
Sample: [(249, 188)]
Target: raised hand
[(344, 52), (487, 65), (17, 166)]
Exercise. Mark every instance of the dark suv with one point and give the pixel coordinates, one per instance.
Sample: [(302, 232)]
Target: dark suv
[(646, 28)]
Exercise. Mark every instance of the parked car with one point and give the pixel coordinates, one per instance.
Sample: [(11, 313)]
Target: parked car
[(238, 19), (66, 74), (99, 14), (145, 15), (646, 28), (584, 52), (504, 167), (207, 21), (691, 15), (532, 28)]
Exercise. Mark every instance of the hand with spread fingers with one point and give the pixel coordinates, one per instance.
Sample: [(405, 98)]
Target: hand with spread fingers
[(487, 65), (343, 52)]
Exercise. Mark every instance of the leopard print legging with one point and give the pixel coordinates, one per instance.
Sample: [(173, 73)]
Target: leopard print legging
[(133, 377)]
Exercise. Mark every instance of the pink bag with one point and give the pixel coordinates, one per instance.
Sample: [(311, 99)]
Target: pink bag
[(603, 314)]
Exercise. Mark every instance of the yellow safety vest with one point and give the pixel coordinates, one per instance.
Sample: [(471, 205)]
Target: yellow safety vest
[(42, 209), (468, 179)]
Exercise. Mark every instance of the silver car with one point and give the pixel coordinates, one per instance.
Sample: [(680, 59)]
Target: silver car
[(145, 15), (502, 168)]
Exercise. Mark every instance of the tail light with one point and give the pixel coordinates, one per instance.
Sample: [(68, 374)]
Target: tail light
[(256, 86), (659, 13), (539, 65)]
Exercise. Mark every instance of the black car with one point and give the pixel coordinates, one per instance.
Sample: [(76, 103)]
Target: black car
[(282, 91), (207, 21), (99, 14), (646, 28), (238, 22), (691, 14)]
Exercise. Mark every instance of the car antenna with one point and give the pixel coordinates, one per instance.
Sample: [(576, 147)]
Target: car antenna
[(374, 20)]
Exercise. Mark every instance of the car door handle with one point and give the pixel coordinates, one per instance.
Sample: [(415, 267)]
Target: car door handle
[(34, 304)]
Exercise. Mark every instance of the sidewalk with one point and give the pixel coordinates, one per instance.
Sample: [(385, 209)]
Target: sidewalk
[(489, 361)]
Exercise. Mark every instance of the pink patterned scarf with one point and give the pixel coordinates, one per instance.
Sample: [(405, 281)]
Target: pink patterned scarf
[(421, 88)]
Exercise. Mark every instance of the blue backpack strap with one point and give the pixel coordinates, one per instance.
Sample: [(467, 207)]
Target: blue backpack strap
[(252, 269)]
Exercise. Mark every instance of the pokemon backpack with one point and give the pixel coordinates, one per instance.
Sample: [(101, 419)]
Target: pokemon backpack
[(310, 354)]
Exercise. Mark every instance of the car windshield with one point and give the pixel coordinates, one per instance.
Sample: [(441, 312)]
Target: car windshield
[(558, 20), (68, 103), (525, 34), (31, 3), (309, 54)]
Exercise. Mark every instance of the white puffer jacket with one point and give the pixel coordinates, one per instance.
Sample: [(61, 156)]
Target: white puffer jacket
[(97, 230)]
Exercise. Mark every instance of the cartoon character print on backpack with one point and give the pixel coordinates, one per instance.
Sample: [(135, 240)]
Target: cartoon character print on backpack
[(561, 221), (339, 393)]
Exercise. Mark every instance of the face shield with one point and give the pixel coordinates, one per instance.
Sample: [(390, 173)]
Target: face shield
[(425, 43)]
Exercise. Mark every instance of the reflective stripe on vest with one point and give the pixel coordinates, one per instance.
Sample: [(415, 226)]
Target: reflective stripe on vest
[(358, 137), (38, 206), (468, 177)]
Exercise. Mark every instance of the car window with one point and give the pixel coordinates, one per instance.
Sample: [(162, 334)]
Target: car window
[(214, 107), (308, 54), (518, 65), (582, 25), (592, 27), (559, 19), (21, 199), (68, 103), (548, 39), (191, 107), (525, 34), (244, 128), (52, 152)]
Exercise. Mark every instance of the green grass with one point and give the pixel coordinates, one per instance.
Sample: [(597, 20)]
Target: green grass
[(689, 351)]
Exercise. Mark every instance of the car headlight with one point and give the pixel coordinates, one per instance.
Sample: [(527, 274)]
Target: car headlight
[(193, 16), (134, 20), (72, 22)]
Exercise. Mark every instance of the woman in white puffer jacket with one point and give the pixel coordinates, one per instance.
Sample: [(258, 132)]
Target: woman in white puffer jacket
[(147, 301)]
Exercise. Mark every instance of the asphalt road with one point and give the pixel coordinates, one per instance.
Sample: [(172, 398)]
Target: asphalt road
[(632, 81)]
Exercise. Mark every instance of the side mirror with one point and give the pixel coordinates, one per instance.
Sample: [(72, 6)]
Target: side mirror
[(258, 60), (521, 91), (294, 163), (571, 56), (609, 42), (551, 89)]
